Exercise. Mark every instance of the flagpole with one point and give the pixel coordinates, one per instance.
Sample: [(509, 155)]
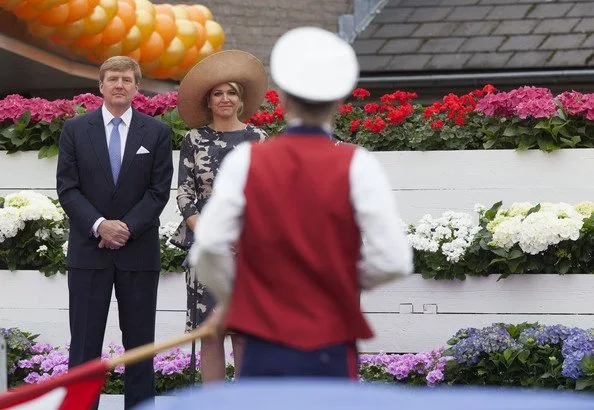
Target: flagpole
[(147, 351)]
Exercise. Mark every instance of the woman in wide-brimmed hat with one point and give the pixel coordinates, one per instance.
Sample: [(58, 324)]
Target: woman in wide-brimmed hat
[(215, 99)]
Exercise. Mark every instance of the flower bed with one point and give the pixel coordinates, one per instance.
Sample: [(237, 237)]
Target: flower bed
[(34, 229), (529, 355), (525, 238), (524, 118)]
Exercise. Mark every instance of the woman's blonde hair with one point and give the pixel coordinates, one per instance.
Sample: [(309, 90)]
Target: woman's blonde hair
[(238, 89)]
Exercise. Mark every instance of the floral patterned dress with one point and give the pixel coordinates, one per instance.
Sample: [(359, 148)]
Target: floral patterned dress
[(202, 151)]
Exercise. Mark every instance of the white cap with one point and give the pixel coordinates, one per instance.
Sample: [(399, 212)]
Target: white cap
[(314, 64)]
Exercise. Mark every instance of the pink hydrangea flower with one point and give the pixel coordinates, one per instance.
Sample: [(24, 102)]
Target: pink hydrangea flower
[(524, 102)]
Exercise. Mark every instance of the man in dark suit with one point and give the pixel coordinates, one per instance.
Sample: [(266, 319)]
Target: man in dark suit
[(113, 180)]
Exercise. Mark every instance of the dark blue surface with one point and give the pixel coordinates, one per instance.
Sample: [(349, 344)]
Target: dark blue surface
[(295, 394)]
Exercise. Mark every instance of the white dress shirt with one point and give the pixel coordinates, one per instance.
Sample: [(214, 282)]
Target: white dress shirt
[(123, 128), (385, 253)]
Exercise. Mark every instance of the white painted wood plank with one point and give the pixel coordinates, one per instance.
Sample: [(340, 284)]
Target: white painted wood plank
[(541, 294), (487, 168), (403, 333), (32, 290), (423, 182), (413, 204), (394, 332), (406, 169), (544, 294), (23, 170), (52, 324)]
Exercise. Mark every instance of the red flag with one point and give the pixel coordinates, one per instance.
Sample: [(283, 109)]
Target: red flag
[(76, 390)]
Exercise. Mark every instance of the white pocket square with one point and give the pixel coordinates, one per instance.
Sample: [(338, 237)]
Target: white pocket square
[(142, 150)]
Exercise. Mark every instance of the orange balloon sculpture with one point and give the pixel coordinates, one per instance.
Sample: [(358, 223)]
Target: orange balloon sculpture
[(166, 39)]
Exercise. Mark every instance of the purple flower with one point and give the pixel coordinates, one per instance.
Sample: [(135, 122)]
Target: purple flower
[(60, 369), (434, 377), (550, 335), (41, 348), (32, 378), (37, 359), (481, 342), (403, 366), (574, 349), (25, 364)]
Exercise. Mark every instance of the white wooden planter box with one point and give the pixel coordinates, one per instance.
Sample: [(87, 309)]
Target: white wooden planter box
[(409, 315), (423, 182)]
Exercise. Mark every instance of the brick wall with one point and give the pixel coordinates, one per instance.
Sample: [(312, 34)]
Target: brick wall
[(255, 25)]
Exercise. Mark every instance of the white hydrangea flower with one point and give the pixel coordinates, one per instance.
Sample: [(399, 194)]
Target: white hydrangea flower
[(10, 223), (41, 250), (507, 232), (167, 230), (543, 229), (585, 208), (65, 248), (519, 208), (534, 233), (453, 233), (43, 234), (34, 206), (479, 208)]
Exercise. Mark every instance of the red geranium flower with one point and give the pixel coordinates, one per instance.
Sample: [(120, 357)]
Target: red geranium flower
[(345, 108), (371, 108), (355, 125), (437, 124), (272, 97), (361, 93)]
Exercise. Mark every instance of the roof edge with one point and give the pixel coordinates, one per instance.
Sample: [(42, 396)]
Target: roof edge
[(364, 11), (479, 78), (71, 67)]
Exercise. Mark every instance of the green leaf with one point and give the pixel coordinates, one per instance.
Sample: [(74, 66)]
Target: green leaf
[(514, 264), (542, 125), (534, 209), (542, 143), (515, 254), (42, 152), (44, 134), (10, 132), (24, 119), (523, 146), (583, 384), (511, 131), (52, 150), (564, 266), (491, 212), (524, 355), (488, 144), (587, 365)]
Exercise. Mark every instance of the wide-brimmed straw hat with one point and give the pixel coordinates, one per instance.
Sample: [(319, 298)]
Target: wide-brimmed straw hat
[(222, 67), (314, 64)]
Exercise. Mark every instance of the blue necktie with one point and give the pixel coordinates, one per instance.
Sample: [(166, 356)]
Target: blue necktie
[(115, 148)]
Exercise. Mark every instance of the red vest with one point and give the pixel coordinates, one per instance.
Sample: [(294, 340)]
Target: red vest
[(296, 276)]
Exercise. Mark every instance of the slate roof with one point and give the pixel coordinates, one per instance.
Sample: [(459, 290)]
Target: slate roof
[(472, 35)]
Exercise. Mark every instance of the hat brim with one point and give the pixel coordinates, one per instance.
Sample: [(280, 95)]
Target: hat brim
[(222, 67)]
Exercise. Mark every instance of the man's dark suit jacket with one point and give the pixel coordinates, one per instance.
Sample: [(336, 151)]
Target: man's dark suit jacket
[(87, 191)]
